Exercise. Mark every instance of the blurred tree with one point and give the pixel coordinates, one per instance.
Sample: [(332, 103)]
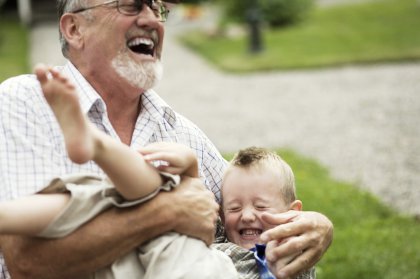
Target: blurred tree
[(274, 12), (284, 12), (193, 1)]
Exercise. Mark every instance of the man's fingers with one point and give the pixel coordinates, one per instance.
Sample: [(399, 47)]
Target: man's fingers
[(291, 247), (304, 237), (194, 204), (303, 261), (274, 259), (279, 218), (283, 231)]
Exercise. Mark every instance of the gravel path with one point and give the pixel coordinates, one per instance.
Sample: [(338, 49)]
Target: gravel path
[(361, 122)]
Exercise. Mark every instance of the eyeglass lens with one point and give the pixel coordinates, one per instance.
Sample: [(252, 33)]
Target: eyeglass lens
[(134, 7)]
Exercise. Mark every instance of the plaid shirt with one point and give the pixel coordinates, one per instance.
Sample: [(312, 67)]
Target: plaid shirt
[(244, 259), (32, 149)]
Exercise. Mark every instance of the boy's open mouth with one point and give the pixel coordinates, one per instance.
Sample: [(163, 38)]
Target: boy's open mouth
[(250, 232)]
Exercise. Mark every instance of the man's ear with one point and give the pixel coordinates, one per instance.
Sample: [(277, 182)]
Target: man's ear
[(296, 205), (71, 30)]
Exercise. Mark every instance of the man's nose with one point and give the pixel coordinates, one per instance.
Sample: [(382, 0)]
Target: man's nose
[(147, 15)]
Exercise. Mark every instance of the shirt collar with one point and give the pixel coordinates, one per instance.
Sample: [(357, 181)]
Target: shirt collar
[(88, 96), (153, 106)]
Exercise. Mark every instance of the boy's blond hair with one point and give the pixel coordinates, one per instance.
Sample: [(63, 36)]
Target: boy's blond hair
[(264, 159)]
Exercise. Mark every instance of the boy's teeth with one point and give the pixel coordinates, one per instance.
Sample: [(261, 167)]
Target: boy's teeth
[(250, 232)]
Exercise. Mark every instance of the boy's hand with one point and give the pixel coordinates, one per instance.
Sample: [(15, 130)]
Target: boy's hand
[(180, 159)]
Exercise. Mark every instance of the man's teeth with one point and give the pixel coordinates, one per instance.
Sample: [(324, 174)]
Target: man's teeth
[(250, 232), (141, 41)]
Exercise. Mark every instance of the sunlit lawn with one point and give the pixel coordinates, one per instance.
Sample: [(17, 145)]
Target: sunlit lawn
[(377, 31)]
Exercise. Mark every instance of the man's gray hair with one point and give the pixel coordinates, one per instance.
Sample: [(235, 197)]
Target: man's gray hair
[(65, 6)]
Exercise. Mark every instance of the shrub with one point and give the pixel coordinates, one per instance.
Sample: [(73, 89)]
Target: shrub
[(284, 12), (193, 2), (274, 12)]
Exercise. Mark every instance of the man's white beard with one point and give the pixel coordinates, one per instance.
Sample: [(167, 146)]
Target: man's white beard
[(140, 75)]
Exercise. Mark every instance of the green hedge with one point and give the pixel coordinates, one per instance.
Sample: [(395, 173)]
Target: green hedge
[(284, 12), (274, 12)]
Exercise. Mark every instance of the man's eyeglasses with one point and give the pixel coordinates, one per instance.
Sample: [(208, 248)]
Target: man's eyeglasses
[(131, 8)]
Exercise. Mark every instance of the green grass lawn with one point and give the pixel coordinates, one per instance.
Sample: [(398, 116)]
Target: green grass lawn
[(370, 239), (378, 31), (13, 47)]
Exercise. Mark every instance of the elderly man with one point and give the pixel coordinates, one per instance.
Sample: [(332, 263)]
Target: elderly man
[(113, 50)]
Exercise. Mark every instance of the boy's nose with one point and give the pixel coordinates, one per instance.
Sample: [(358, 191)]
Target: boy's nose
[(248, 215)]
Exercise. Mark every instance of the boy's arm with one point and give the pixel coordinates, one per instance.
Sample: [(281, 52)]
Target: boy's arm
[(31, 214), (113, 234)]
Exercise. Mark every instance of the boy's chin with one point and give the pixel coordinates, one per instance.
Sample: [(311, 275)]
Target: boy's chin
[(249, 244)]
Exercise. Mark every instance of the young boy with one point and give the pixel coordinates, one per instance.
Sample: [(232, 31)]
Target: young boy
[(256, 181), (68, 202)]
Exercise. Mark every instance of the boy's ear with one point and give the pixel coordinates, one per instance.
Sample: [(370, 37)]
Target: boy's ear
[(71, 29), (296, 205)]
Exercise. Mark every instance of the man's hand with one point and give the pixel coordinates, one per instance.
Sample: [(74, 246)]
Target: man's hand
[(298, 241), (195, 209)]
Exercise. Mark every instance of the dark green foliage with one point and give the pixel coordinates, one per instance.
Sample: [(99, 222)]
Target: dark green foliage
[(274, 12), (192, 1), (235, 10), (284, 12)]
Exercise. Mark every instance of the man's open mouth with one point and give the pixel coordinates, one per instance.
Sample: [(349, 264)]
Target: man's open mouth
[(142, 46)]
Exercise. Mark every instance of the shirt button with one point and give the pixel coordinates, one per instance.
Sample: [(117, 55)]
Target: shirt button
[(228, 252)]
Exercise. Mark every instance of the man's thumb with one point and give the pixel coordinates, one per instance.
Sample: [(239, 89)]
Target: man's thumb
[(278, 218)]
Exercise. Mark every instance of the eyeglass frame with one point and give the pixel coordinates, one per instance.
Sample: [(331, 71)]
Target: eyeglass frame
[(162, 11)]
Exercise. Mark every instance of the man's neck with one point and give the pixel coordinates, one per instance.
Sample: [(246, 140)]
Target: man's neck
[(123, 101), (123, 108), (123, 117)]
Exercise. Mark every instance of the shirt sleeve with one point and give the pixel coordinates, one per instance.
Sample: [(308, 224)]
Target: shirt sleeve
[(32, 149), (211, 163), (214, 166)]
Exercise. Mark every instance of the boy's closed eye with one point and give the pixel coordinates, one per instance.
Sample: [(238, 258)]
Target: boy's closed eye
[(235, 208), (261, 207)]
